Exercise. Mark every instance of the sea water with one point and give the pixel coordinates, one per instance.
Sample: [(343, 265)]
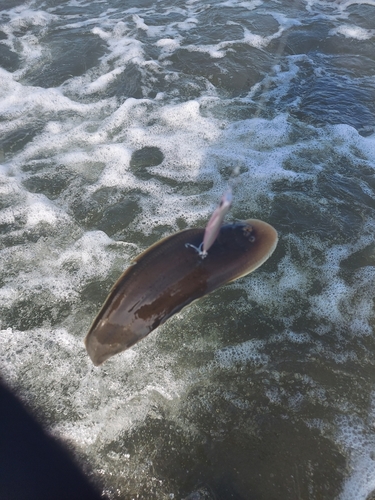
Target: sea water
[(122, 122)]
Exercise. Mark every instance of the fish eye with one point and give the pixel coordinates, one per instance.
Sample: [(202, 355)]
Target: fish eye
[(247, 231)]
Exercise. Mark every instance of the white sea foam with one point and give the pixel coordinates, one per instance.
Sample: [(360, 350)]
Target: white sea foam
[(122, 48), (356, 436), (168, 44), (250, 5), (246, 352), (53, 255), (23, 17), (356, 32)]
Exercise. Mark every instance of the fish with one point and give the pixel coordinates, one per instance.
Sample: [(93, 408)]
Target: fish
[(169, 276)]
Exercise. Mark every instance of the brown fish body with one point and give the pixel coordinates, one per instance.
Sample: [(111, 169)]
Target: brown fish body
[(170, 275)]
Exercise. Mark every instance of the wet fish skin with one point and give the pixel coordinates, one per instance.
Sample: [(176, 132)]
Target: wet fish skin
[(170, 275)]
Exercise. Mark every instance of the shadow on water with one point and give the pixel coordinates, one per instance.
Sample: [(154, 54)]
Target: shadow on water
[(33, 464)]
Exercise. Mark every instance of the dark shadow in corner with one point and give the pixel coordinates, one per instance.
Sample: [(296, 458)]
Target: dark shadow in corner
[(33, 465)]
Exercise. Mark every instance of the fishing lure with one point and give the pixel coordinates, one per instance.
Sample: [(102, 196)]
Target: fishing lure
[(213, 227)]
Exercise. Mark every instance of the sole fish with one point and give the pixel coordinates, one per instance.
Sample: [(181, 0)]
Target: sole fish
[(169, 276)]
